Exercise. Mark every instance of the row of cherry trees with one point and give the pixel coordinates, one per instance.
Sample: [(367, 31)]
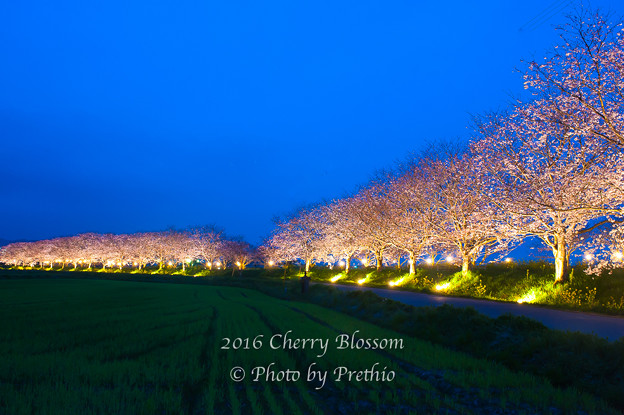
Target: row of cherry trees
[(205, 245), (551, 167)]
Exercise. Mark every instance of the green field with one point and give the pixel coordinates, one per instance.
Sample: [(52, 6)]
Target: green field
[(89, 346)]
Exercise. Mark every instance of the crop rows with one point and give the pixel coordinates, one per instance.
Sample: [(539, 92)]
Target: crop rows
[(96, 347)]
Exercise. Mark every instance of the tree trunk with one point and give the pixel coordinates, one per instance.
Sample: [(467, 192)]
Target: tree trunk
[(347, 263), (412, 263), (307, 265), (466, 262), (379, 258), (562, 261)]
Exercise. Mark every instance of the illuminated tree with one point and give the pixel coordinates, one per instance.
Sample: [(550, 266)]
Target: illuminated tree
[(158, 247), (461, 217), (15, 253), (371, 209), (139, 249), (583, 78), (207, 240), (406, 225), (300, 237), (343, 232), (240, 252), (549, 181)]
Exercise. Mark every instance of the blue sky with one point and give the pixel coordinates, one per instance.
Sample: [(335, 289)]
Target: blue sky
[(124, 116)]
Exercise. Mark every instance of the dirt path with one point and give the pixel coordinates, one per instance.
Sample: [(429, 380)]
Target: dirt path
[(610, 327)]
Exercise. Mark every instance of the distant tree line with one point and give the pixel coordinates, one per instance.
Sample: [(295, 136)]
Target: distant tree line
[(205, 245)]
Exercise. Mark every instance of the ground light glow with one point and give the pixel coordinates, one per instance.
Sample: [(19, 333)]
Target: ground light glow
[(442, 287), (508, 260), (429, 261), (527, 298), (364, 280), (618, 255), (396, 283), (336, 277)]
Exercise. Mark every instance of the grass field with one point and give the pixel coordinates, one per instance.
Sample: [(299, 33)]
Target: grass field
[(99, 347)]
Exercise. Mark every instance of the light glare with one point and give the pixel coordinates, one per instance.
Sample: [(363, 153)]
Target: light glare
[(442, 287)]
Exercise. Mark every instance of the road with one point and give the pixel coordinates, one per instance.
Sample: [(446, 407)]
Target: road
[(609, 327)]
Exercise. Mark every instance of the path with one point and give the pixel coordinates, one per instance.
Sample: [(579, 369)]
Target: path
[(610, 327)]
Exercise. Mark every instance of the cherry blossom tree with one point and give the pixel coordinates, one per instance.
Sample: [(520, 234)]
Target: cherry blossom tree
[(300, 237), (461, 218), (240, 252), (405, 221), (583, 78), (343, 233), (267, 254), (15, 254), (207, 240), (371, 208), (549, 180)]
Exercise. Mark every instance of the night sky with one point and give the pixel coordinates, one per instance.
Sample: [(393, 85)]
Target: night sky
[(121, 116)]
